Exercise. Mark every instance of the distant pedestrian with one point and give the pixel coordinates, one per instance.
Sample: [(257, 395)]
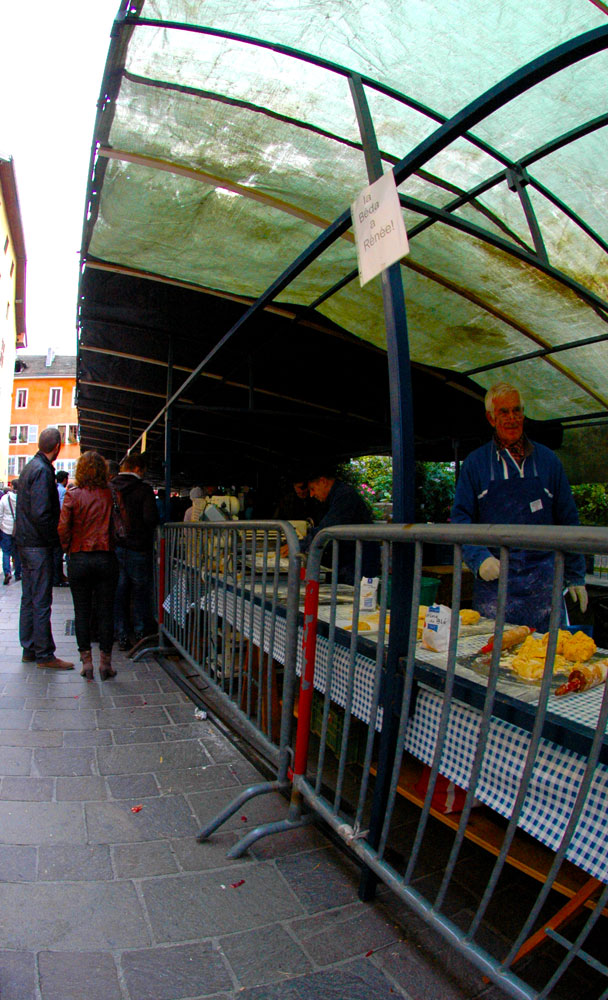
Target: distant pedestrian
[(36, 537), (59, 578), (195, 494), (85, 533), (8, 513)]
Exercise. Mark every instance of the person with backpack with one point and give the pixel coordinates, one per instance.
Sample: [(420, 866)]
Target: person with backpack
[(135, 551), (8, 514)]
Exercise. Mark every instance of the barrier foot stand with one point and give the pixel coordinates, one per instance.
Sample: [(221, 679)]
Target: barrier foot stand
[(279, 826), (143, 647), (238, 803)]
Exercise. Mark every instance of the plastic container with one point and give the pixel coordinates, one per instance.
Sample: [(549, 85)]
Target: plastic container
[(429, 585)]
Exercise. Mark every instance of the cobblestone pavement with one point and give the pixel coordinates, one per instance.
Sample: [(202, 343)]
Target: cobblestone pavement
[(100, 902)]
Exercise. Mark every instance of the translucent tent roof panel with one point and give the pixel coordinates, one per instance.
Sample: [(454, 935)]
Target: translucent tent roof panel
[(219, 161), (479, 44)]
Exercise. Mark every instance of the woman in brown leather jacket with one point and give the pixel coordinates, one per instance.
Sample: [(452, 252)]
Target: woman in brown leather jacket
[(85, 530)]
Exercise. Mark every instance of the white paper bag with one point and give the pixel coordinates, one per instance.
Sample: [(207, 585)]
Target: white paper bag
[(436, 631)]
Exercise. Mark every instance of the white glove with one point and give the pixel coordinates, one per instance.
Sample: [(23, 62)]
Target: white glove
[(490, 569), (579, 593)]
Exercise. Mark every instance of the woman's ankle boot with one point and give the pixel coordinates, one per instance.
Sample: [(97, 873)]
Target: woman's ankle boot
[(86, 658), (106, 669)]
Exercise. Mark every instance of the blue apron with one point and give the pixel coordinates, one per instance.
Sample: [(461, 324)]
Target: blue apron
[(518, 501)]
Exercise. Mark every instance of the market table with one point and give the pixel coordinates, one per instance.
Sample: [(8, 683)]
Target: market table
[(559, 765)]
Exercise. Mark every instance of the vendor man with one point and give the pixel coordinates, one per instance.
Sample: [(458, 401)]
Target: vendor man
[(512, 480), (297, 504), (343, 505)]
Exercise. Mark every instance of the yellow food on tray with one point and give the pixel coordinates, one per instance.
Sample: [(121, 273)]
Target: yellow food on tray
[(422, 610), (578, 647), (469, 617), (370, 622), (529, 662)]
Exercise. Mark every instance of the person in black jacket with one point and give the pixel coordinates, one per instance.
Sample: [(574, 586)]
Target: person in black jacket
[(343, 505), (36, 537), (135, 554)]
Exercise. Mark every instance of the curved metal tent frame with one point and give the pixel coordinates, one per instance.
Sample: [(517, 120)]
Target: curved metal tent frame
[(105, 245)]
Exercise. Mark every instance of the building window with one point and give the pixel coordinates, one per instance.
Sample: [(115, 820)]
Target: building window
[(74, 398), (67, 464), (55, 398), (21, 402), (72, 433), (62, 429), (12, 465), (23, 434), (21, 463)]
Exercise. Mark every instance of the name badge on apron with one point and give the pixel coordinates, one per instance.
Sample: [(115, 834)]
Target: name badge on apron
[(536, 505)]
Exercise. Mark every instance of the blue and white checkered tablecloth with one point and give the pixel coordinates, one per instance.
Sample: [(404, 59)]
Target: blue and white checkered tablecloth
[(557, 772), (555, 781)]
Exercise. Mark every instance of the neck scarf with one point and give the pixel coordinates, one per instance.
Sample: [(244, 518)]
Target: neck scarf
[(517, 450)]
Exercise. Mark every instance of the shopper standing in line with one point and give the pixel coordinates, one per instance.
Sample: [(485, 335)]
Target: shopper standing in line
[(85, 533), (36, 537), (135, 553)]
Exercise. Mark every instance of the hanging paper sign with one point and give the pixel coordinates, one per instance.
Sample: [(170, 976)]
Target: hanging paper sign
[(379, 227)]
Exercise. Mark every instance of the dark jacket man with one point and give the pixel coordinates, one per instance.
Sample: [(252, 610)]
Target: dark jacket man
[(142, 513), (344, 505), (38, 507), (36, 537)]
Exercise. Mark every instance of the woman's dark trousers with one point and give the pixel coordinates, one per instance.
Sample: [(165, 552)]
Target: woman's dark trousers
[(93, 578)]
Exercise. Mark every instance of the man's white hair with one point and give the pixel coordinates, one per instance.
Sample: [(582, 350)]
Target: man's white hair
[(500, 389)]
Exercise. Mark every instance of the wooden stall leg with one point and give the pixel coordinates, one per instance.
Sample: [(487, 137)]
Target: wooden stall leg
[(567, 913)]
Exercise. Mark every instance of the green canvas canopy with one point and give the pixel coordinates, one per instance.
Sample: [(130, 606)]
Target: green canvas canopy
[(227, 142)]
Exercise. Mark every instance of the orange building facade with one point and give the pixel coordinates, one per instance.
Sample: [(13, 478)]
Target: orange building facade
[(43, 396)]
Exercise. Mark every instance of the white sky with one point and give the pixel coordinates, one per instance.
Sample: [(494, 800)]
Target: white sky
[(52, 58)]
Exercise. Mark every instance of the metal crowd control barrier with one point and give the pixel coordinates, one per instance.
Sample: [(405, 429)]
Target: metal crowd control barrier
[(228, 603), (432, 729)]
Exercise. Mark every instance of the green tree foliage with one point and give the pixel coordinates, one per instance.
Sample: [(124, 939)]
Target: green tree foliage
[(435, 485), (592, 502), (373, 477)]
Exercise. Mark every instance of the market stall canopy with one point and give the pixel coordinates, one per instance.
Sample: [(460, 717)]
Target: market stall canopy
[(227, 144)]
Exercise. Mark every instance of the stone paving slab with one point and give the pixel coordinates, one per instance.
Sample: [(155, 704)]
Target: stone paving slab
[(68, 917), (27, 789), (18, 975), (344, 932), (356, 981), (64, 762), (76, 863), (174, 973), (264, 955), (17, 863), (151, 757), (15, 760), (76, 975), (42, 823), (185, 907), (141, 860), (115, 822), (321, 879)]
